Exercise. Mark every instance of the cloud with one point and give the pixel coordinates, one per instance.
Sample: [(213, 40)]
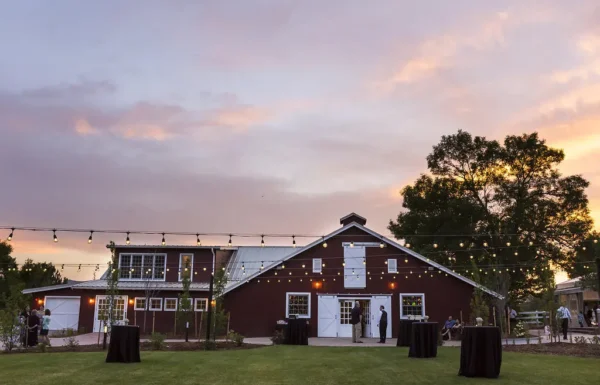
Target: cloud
[(237, 117), (84, 128)]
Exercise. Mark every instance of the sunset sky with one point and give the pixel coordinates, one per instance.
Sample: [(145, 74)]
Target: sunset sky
[(270, 116)]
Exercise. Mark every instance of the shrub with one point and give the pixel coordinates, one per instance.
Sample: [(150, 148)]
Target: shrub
[(580, 340), (520, 330), (157, 341), (277, 338), (237, 338), (43, 348), (210, 345), (71, 343), (10, 330), (595, 340)]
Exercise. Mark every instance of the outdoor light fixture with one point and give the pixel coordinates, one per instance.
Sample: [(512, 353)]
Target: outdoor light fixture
[(91, 301)]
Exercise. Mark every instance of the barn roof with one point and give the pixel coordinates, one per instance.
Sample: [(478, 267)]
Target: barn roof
[(252, 258), (390, 242)]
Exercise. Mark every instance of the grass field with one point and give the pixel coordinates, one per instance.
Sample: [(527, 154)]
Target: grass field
[(288, 365)]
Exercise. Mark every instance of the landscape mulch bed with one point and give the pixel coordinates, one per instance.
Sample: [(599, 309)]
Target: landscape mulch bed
[(144, 346), (557, 349)]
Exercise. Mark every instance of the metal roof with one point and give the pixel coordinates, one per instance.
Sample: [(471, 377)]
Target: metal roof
[(47, 288), (251, 258), (102, 284)]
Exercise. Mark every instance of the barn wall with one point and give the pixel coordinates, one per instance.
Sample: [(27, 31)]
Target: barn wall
[(256, 307), (164, 321)]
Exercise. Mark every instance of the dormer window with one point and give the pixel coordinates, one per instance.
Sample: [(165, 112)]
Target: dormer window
[(142, 267)]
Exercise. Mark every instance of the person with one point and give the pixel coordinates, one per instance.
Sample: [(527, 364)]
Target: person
[(580, 318), (383, 319), (33, 321), (45, 327), (565, 316), (449, 323), (356, 321)]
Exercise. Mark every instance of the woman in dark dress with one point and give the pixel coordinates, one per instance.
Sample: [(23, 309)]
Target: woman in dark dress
[(33, 323)]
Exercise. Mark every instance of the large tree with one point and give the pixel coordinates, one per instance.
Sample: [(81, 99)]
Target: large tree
[(588, 252), (504, 206)]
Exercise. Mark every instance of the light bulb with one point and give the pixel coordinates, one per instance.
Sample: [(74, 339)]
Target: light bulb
[(294, 241), (55, 238), (163, 242), (435, 245), (229, 243), (10, 236), (485, 244), (127, 241), (90, 238), (462, 244), (198, 243), (262, 241)]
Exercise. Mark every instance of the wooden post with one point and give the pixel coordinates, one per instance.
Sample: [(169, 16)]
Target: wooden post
[(196, 324), (508, 322), (174, 325), (201, 317), (153, 320), (494, 313), (228, 321)]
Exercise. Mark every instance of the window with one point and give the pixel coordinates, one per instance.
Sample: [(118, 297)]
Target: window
[(170, 304), (142, 266), (317, 265), (392, 265), (412, 304), (186, 265), (155, 304), (140, 303), (200, 304), (298, 304)]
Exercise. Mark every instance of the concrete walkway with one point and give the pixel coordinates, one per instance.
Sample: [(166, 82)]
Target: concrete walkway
[(92, 339)]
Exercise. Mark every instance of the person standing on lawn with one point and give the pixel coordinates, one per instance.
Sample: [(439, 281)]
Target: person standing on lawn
[(45, 327), (356, 321), (565, 316), (382, 324)]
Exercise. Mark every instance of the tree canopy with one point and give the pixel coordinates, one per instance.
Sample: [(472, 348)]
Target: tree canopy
[(504, 206)]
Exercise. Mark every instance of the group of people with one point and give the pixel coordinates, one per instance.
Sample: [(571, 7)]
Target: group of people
[(356, 318), (35, 326), (451, 328)]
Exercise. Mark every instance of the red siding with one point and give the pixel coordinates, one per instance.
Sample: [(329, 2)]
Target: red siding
[(256, 307)]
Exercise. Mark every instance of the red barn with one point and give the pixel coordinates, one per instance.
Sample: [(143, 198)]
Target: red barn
[(319, 282)]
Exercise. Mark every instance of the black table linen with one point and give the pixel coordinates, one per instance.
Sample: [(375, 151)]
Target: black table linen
[(296, 332), (424, 340), (481, 352), (405, 332), (124, 344)]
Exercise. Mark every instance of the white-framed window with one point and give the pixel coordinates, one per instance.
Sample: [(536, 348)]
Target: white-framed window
[(139, 303), (297, 304), (142, 267), (392, 265), (200, 304), (317, 265), (155, 304), (186, 266), (171, 304), (412, 304)]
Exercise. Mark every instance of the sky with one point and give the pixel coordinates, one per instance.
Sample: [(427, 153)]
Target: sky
[(269, 116)]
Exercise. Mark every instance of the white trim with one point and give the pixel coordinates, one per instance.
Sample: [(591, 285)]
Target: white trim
[(103, 296), (389, 266), (205, 304), (60, 296), (154, 255), (423, 309), (361, 296), (49, 288), (287, 303), (150, 302), (165, 304), (319, 262), (135, 306), (191, 267), (412, 253), (361, 244)]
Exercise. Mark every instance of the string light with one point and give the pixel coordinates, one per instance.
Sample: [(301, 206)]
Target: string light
[(55, 238), (243, 266), (10, 236), (294, 241), (198, 240), (485, 244), (364, 261), (408, 245), (508, 244), (79, 269), (262, 241), (351, 244), (461, 244), (530, 243), (324, 242), (163, 242), (229, 243), (262, 266), (90, 238), (435, 245), (62, 267), (381, 245)]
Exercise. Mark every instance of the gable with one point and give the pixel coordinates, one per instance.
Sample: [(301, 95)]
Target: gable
[(355, 232)]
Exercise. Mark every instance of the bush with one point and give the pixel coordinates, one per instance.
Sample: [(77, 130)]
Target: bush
[(237, 338), (157, 341), (43, 348), (210, 345), (520, 330), (581, 340), (277, 338), (10, 330), (71, 343), (595, 340)]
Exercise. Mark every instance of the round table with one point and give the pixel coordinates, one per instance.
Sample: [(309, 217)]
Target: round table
[(124, 344), (424, 341), (405, 332), (481, 352)]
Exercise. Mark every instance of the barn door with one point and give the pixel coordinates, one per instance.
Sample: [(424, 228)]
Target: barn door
[(327, 316), (376, 302)]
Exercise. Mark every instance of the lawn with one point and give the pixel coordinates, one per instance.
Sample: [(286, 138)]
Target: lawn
[(288, 365)]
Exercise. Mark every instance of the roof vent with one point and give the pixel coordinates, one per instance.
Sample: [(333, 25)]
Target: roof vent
[(353, 217)]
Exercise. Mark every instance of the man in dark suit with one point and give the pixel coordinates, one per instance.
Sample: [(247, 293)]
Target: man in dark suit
[(382, 324)]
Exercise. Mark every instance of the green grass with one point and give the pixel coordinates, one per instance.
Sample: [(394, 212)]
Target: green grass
[(288, 365)]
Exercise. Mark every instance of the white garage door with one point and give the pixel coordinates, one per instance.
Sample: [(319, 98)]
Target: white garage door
[(64, 312)]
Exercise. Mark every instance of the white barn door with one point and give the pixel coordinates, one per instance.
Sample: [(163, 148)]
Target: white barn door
[(355, 272), (64, 312), (327, 316), (376, 302)]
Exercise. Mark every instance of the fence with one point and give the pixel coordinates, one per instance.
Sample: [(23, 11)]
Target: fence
[(537, 318)]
